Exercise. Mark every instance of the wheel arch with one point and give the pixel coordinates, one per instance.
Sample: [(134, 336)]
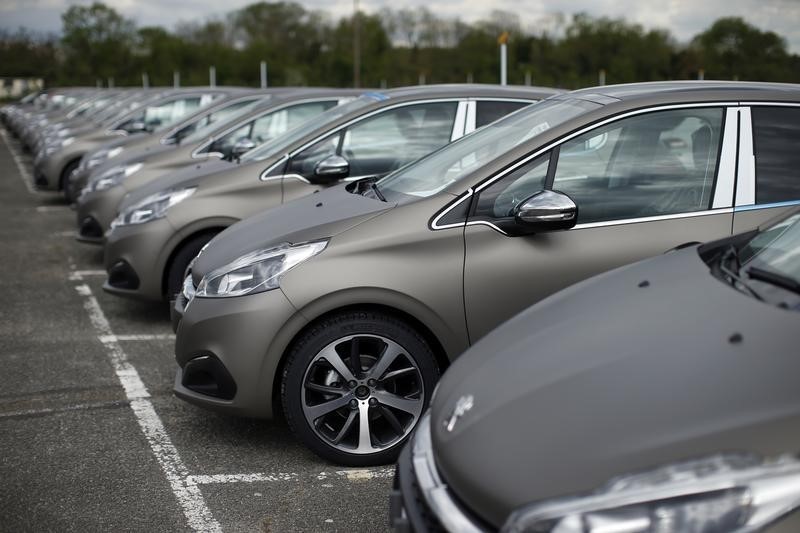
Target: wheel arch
[(432, 329), (63, 176), (181, 238)]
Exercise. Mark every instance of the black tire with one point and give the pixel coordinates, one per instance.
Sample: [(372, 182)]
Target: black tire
[(180, 262), (366, 330), (63, 183)]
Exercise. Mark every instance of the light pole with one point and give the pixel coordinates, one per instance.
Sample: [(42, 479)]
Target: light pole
[(356, 47)]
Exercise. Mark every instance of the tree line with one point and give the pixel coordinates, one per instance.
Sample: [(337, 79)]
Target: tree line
[(398, 47)]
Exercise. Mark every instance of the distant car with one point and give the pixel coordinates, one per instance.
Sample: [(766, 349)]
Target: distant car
[(104, 186), (367, 137), (123, 150), (343, 307), (661, 396), (54, 164)]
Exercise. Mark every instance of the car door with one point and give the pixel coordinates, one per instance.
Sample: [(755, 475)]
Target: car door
[(376, 144), (643, 183), (769, 159)]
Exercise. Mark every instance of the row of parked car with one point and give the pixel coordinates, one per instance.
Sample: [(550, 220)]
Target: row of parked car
[(328, 254)]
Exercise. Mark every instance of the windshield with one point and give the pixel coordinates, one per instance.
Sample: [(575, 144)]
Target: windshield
[(282, 143), (433, 173), (775, 250)]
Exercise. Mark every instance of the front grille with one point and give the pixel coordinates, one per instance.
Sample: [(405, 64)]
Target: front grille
[(207, 375)]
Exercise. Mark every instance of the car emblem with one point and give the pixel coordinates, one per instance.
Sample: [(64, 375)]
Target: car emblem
[(463, 405)]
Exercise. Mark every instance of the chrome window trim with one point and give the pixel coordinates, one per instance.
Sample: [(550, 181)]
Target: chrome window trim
[(196, 152), (726, 173), (620, 222), (746, 175), (366, 116), (754, 207), (287, 176), (469, 126), (460, 123), (489, 181)]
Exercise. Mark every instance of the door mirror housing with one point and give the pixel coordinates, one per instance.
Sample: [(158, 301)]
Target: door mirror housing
[(332, 168), (241, 147), (545, 211)]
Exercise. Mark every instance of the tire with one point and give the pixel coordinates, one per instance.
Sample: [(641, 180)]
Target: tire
[(180, 262), (325, 401), (64, 180)]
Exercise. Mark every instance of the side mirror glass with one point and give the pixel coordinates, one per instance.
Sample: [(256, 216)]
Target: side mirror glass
[(241, 147), (546, 211), (333, 167)]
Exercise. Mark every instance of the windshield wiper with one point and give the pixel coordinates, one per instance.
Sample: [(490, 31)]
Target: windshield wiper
[(733, 274), (774, 278), (377, 191)]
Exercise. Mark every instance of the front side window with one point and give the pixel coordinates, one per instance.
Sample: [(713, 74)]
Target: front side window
[(396, 137), (200, 128), (499, 199), (653, 164), (776, 137), (270, 126), (383, 142)]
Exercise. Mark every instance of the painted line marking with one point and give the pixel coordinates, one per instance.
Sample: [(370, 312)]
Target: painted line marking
[(26, 177), (78, 275), (185, 489), (72, 234), (125, 338), (51, 208), (359, 474)]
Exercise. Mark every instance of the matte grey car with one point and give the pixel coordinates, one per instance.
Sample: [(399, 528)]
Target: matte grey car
[(342, 308), (127, 150), (661, 396), (100, 199), (52, 168), (146, 255)]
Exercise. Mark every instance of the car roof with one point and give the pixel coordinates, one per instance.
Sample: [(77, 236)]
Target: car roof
[(679, 91), (468, 90)]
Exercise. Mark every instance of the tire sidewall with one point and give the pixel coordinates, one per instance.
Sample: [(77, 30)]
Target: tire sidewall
[(180, 261), (321, 334)]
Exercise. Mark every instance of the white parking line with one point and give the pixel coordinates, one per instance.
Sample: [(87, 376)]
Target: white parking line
[(51, 208), (185, 489), (354, 474), (23, 171), (127, 338), (78, 275)]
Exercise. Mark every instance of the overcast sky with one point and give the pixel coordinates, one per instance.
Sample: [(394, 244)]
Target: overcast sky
[(683, 18)]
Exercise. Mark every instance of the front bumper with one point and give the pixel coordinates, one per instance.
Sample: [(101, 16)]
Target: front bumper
[(47, 170), (95, 211), (135, 259), (238, 332), (420, 500)]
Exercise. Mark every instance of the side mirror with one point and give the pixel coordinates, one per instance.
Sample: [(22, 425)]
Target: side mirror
[(546, 211), (333, 167), (241, 147)]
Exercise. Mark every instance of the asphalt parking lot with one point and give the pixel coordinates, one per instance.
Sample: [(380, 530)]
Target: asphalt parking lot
[(92, 438)]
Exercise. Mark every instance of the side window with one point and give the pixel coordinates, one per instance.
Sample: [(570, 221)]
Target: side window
[(653, 164), (487, 111), (776, 137), (224, 144), (305, 162), (274, 124), (398, 136), (499, 199)]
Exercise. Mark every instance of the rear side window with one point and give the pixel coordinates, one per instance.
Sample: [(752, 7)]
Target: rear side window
[(487, 111), (776, 142)]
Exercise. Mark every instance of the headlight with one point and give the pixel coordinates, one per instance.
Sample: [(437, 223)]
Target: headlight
[(113, 177), (152, 207), (718, 494), (102, 155), (257, 271)]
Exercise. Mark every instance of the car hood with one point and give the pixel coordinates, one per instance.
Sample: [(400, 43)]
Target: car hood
[(189, 176), (646, 365), (319, 215)]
